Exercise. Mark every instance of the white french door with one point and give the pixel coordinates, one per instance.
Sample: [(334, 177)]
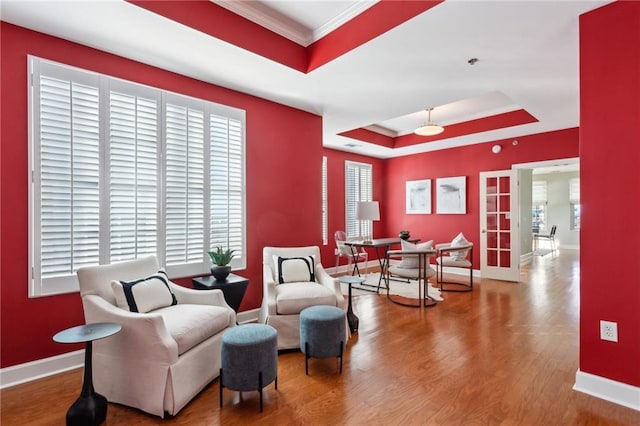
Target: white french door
[(499, 226)]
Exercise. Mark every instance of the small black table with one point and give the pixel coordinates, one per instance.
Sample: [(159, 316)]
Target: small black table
[(351, 317), (90, 408), (233, 288)]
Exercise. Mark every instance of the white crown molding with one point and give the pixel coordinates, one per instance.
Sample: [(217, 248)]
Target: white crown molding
[(270, 19), (355, 9), (607, 389)]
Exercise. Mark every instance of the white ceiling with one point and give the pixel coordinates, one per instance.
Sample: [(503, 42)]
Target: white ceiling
[(527, 58)]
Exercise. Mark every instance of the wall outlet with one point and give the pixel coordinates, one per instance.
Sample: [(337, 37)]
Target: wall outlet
[(609, 331)]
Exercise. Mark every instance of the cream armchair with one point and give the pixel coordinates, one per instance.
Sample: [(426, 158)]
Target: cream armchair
[(161, 359), (283, 301)]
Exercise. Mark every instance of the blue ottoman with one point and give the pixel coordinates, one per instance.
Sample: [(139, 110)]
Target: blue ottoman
[(249, 358), (322, 333)]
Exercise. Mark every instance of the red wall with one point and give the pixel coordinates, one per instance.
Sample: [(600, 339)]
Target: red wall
[(466, 161), (610, 189), (284, 151), (336, 202)]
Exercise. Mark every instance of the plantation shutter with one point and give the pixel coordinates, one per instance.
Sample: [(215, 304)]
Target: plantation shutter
[(184, 185), (325, 207), (67, 159), (133, 176), (226, 184), (359, 187)]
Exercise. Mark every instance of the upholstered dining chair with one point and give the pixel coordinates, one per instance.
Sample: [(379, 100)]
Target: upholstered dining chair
[(415, 265), (354, 255), (450, 256)]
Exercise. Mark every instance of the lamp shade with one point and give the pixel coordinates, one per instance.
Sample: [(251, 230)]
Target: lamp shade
[(367, 210), (430, 129)]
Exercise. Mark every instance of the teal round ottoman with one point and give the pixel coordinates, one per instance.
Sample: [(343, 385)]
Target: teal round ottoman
[(249, 358), (322, 333)]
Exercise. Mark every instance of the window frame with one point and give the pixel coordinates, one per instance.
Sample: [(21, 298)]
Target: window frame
[(364, 194), (67, 282)]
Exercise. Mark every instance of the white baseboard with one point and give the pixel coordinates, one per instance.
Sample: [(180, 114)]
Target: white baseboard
[(526, 258), (248, 316), (607, 389), (29, 371), (22, 373)]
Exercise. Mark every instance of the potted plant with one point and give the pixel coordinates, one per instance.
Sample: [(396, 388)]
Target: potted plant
[(220, 259), (404, 234)]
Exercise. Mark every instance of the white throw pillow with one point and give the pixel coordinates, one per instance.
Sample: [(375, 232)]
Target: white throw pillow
[(144, 295), (412, 261), (294, 269), (458, 241)]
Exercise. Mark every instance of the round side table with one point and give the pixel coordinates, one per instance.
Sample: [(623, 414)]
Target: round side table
[(351, 317), (90, 408)]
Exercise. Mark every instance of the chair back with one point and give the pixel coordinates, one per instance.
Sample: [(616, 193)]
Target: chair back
[(340, 237), (269, 252), (553, 231), (97, 279)]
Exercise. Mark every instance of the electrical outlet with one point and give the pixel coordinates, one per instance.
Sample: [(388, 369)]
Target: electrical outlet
[(609, 331)]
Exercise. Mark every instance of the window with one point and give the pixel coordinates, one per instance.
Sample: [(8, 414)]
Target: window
[(539, 205), (358, 187), (120, 170), (325, 211), (574, 201)]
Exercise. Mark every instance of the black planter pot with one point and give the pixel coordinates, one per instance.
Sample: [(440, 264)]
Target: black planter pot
[(220, 272), (404, 236)]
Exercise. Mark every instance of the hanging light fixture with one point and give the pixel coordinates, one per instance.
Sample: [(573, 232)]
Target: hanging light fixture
[(429, 128)]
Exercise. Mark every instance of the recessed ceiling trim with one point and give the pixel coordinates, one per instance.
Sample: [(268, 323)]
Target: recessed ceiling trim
[(264, 16), (355, 9)]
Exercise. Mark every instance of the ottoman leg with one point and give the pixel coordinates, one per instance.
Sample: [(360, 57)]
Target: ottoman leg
[(260, 388), (341, 351), (306, 358), (221, 387)]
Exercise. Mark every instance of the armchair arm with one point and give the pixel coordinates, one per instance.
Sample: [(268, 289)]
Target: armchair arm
[(448, 248), (199, 297), (143, 336), (330, 282), (269, 291)]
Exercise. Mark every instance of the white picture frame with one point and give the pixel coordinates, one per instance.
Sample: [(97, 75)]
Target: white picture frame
[(418, 196), (451, 195)]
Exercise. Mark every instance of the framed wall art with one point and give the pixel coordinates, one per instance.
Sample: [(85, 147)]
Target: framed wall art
[(418, 198), (451, 195)]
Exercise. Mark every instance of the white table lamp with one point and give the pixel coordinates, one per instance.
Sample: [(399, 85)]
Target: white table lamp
[(367, 210)]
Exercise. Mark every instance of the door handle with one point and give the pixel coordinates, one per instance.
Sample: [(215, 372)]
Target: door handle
[(484, 231)]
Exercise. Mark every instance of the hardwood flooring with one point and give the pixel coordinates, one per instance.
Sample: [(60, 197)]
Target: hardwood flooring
[(505, 354)]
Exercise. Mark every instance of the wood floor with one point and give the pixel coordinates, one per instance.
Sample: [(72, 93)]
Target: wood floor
[(505, 354)]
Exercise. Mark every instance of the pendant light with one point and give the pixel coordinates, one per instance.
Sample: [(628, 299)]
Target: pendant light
[(429, 129)]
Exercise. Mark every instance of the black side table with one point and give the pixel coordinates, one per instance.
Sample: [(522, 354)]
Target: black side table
[(233, 288), (352, 318), (90, 408)]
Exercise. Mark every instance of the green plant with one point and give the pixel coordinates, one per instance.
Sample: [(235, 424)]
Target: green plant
[(404, 232), (221, 257)]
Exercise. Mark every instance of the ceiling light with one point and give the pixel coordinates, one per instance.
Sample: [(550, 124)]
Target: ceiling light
[(429, 129)]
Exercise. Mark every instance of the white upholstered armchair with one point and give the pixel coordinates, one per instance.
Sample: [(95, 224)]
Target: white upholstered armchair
[(294, 279), (163, 357)]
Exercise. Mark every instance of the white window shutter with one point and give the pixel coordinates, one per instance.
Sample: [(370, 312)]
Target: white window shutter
[(69, 192), (358, 187), (133, 177), (184, 191), (539, 192), (574, 190)]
